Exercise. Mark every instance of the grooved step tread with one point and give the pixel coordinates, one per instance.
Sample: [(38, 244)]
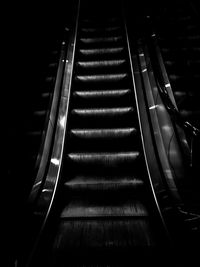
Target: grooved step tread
[(103, 183), (106, 234), (95, 40), (113, 159), (114, 77), (103, 133), (101, 51), (95, 29), (101, 93), (101, 63), (84, 208), (88, 112)]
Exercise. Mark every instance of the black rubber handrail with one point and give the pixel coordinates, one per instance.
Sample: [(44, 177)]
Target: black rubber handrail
[(49, 131), (189, 219), (152, 168), (192, 132), (188, 126), (173, 110), (45, 200)]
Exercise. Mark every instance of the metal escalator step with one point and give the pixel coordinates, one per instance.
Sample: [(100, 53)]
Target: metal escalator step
[(180, 94), (180, 97), (102, 112), (112, 133), (193, 37), (52, 68), (92, 94), (46, 95), (102, 98), (103, 117), (101, 64), (105, 159), (93, 208), (105, 183), (181, 19), (170, 63), (99, 78), (103, 139), (177, 79), (191, 28), (185, 37), (92, 30), (104, 234), (190, 113), (53, 65), (39, 113), (109, 39), (50, 79), (102, 51)]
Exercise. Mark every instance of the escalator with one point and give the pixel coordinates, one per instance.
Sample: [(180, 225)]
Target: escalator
[(179, 39), (33, 107), (177, 34), (105, 211), (41, 101), (30, 107)]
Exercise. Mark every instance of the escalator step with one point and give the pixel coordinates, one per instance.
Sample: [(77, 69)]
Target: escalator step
[(84, 208), (99, 78), (105, 159), (94, 29), (103, 98), (100, 30), (190, 113), (102, 112), (101, 64), (103, 234), (103, 117), (103, 139), (104, 204), (112, 133), (97, 40), (39, 113), (102, 51), (92, 94), (105, 183)]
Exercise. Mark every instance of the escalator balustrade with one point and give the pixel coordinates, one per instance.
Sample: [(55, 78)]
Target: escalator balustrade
[(107, 211), (179, 36)]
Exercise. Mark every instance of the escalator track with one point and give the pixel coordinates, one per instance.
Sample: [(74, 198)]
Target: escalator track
[(105, 212)]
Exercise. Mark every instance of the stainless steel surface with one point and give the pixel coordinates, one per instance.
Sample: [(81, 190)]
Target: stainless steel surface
[(163, 128)]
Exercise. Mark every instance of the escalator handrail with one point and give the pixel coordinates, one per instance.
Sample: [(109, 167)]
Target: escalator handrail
[(168, 98), (159, 118), (48, 133), (45, 200), (151, 170)]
